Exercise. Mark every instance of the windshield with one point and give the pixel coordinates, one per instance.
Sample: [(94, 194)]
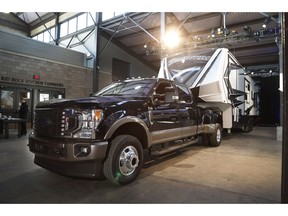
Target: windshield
[(127, 87)]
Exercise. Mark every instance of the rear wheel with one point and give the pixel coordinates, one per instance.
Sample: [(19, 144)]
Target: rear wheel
[(204, 139), (216, 137), (124, 160), (248, 127)]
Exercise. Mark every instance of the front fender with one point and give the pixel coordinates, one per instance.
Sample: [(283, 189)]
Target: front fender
[(125, 120)]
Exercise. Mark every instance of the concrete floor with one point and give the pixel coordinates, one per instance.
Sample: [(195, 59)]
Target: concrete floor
[(246, 168)]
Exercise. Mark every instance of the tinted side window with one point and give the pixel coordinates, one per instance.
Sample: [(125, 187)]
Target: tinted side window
[(161, 88), (184, 94), (164, 93)]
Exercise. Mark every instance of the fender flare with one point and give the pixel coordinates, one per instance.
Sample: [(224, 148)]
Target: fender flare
[(125, 120), (207, 117)]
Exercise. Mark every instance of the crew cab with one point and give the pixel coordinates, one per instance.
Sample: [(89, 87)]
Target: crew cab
[(106, 134)]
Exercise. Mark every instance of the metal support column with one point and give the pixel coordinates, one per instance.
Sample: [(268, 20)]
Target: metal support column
[(284, 40), (162, 35), (57, 29), (162, 27), (97, 49)]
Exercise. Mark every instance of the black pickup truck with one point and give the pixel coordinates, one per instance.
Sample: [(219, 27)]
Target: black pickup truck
[(106, 134)]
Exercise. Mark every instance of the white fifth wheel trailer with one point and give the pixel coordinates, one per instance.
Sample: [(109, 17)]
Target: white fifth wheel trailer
[(216, 79)]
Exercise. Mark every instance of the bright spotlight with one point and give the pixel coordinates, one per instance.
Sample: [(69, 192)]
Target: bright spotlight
[(171, 39)]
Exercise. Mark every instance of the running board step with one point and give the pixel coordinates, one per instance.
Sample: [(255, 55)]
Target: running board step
[(173, 148)]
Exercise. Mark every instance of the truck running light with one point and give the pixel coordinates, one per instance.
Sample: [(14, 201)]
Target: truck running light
[(98, 115)]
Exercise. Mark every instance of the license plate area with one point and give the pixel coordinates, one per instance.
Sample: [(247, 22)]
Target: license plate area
[(46, 148)]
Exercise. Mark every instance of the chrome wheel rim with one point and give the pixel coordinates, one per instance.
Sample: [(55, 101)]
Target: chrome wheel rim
[(128, 160), (218, 135)]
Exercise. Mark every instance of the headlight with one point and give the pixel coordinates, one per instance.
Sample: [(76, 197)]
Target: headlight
[(89, 121)]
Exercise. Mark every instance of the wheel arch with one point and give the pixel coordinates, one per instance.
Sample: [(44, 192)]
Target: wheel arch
[(130, 126), (212, 117)]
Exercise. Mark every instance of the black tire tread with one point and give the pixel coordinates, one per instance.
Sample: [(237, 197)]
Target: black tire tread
[(108, 164)]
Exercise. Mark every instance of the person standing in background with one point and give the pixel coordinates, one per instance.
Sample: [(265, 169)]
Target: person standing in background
[(23, 111)]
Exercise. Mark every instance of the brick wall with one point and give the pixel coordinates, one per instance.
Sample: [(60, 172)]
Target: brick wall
[(77, 81)]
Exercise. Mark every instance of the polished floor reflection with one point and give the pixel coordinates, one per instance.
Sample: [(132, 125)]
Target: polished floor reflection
[(246, 168)]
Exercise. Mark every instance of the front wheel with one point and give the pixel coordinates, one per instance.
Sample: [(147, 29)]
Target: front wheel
[(124, 161), (216, 137)]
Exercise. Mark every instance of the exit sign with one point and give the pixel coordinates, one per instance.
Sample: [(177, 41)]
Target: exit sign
[(36, 77)]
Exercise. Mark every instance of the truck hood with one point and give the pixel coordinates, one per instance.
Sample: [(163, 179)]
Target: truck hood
[(99, 102)]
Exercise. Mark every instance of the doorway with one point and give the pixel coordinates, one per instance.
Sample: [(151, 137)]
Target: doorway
[(11, 94), (49, 95), (10, 102)]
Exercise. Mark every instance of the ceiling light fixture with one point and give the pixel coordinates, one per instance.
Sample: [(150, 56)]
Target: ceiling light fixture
[(266, 21), (212, 35), (171, 39)]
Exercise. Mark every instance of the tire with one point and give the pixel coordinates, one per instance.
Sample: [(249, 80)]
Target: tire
[(124, 161), (204, 140), (216, 137), (248, 128)]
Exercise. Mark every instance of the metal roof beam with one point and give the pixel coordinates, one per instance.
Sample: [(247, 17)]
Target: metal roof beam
[(20, 25), (52, 36)]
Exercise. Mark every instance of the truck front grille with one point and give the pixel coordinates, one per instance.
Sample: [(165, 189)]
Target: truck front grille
[(49, 123)]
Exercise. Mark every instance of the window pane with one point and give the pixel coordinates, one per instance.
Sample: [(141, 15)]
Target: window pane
[(40, 37), (6, 100), (72, 25), (44, 97), (52, 33), (46, 37), (90, 20), (82, 21), (63, 29), (140, 88)]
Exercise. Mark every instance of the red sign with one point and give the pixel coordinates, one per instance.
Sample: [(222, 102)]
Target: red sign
[(36, 77)]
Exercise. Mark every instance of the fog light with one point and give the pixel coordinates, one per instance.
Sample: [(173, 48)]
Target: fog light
[(81, 150), (84, 150)]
